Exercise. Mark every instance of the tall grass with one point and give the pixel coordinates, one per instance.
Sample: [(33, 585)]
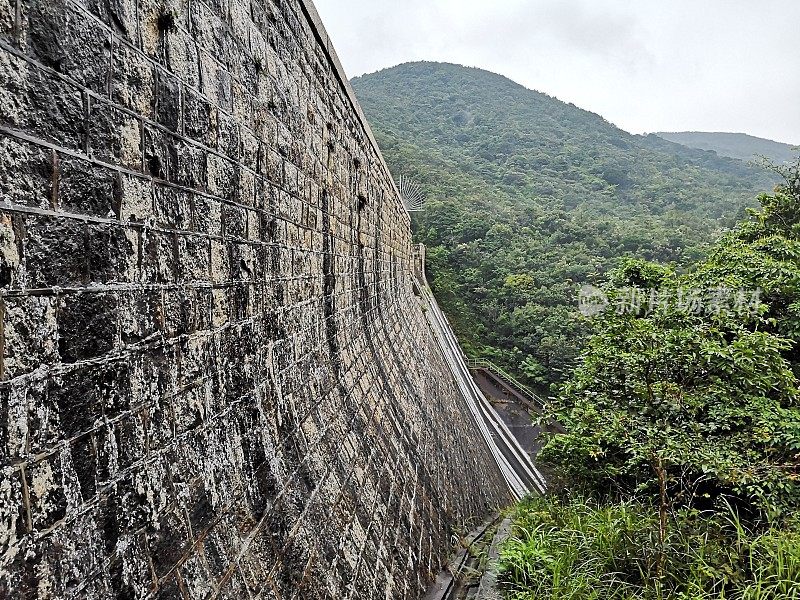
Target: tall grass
[(583, 550)]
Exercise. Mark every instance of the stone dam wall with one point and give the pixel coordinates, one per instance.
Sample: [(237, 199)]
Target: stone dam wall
[(215, 379)]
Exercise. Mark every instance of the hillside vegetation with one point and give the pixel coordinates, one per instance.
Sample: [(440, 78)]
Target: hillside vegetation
[(680, 464), (734, 145), (530, 197)]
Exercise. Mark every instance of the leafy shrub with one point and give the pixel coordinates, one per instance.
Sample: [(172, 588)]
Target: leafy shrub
[(696, 406)]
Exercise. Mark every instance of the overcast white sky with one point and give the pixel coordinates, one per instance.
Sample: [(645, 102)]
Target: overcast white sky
[(646, 65)]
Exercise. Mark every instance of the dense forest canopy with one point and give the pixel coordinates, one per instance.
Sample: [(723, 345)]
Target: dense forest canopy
[(530, 198), (701, 392)]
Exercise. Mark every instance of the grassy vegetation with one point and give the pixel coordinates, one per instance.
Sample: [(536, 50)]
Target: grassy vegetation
[(581, 549)]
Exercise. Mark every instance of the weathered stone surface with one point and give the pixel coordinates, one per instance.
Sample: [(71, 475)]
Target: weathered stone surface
[(115, 136), (8, 9), (54, 250), (26, 173), (216, 381), (29, 327), (61, 37), (133, 83), (87, 326), (40, 103), (83, 187)]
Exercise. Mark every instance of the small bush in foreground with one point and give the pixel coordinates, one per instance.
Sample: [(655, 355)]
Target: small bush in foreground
[(580, 549)]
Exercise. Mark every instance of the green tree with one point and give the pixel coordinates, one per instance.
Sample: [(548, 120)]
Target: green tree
[(697, 404)]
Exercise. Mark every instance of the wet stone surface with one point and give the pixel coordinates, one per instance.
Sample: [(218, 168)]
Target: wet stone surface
[(215, 379)]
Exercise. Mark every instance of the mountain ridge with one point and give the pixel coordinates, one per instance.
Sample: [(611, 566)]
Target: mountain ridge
[(742, 146)]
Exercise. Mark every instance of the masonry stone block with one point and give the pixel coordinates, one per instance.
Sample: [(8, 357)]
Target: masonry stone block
[(61, 36), (194, 258), (222, 89), (83, 187), (167, 102), (157, 21), (140, 315), (222, 177), (120, 16), (134, 196), (200, 119), (234, 221), (112, 254), (28, 337), (182, 57), (114, 136), (11, 269), (26, 173), (229, 142), (133, 82), (190, 166), (8, 18), (87, 326), (47, 493), (172, 207), (161, 153), (55, 251), (158, 258), (207, 26), (41, 103)]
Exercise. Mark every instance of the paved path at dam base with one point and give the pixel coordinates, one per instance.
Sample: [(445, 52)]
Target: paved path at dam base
[(472, 572)]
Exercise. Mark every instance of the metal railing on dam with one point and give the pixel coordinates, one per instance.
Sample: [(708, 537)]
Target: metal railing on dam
[(521, 474), (531, 396)]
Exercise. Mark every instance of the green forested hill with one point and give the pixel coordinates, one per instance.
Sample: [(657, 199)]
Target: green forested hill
[(530, 197), (734, 145)]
